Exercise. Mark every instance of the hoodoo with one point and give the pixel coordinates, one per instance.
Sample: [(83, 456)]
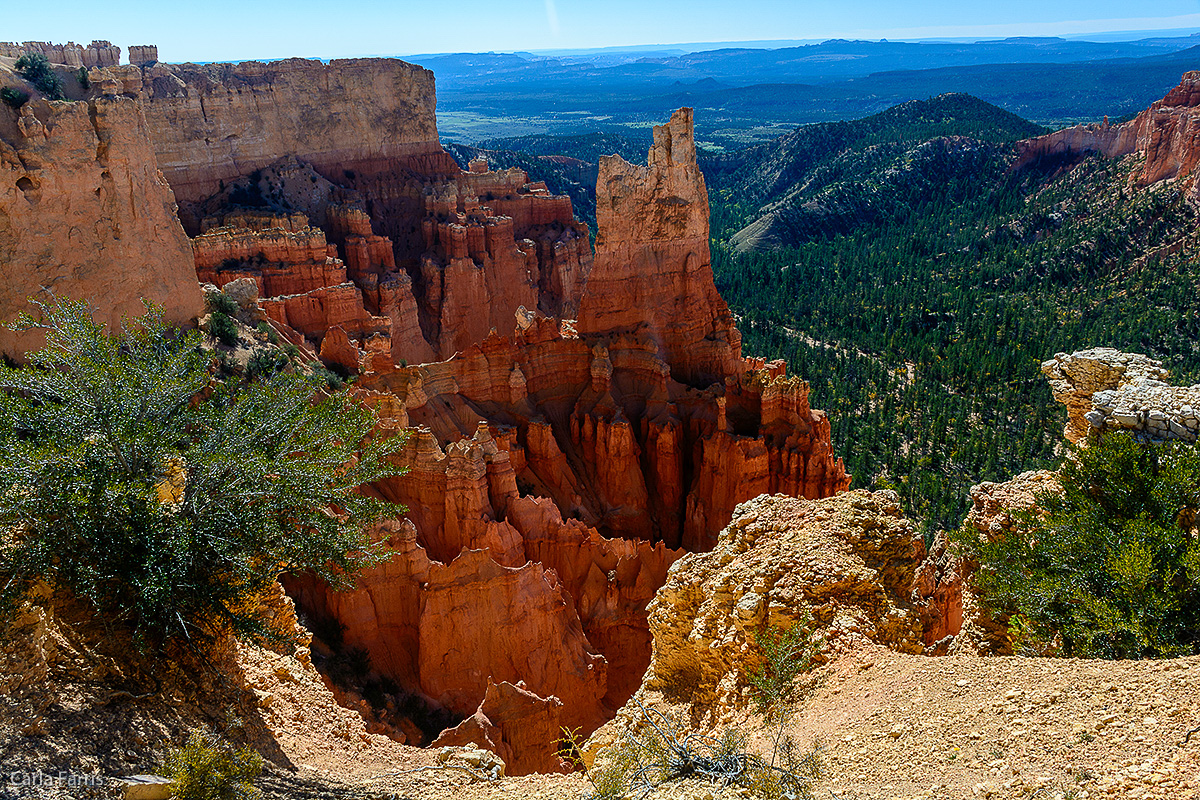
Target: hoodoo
[(558, 472), (653, 272)]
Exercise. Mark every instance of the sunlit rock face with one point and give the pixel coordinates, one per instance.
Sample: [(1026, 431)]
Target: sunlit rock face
[(85, 214), (1167, 134), (574, 428)]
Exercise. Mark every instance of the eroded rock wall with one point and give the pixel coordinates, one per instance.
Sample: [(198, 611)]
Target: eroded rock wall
[(1167, 134), (653, 270), (86, 214), (218, 122), (557, 472), (845, 565), (98, 53), (353, 145)]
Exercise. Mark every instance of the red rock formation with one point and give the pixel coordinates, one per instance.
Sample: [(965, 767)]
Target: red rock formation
[(1167, 134), (81, 202), (551, 472), (336, 348), (653, 272), (364, 164), (519, 247), (283, 254), (516, 725), (315, 312), (447, 630), (481, 620), (610, 580)]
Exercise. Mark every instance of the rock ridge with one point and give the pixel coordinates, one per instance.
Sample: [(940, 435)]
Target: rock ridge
[(1167, 135)]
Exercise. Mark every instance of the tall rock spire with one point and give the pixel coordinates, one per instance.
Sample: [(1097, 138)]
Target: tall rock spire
[(653, 271)]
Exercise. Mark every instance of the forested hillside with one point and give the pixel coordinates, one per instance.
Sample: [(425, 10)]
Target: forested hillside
[(921, 321)]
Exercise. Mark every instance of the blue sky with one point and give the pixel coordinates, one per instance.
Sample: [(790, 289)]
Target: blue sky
[(218, 30)]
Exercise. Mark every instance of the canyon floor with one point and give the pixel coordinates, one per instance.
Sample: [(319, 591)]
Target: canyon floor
[(902, 726)]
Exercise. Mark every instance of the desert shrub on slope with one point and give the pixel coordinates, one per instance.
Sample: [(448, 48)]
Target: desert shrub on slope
[(35, 68), (207, 768), (1109, 567), (168, 500)]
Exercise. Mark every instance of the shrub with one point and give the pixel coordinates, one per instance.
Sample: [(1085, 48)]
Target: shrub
[(219, 301), (268, 332), (266, 362), (661, 750), (1110, 566), (13, 98), (35, 68), (786, 655), (222, 328), (207, 768), (331, 379), (81, 75), (170, 501), (658, 749)]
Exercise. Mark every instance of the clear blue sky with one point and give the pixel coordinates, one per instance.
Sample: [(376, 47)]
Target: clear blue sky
[(219, 30)]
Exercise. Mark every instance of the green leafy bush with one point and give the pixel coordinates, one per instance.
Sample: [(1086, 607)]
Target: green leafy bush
[(222, 328), (35, 68), (169, 500), (219, 301), (265, 362), (787, 654), (13, 98), (331, 379), (1110, 567), (264, 329), (207, 768)]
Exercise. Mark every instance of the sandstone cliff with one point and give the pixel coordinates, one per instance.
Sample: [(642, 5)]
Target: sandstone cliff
[(557, 469), (218, 122), (443, 255), (97, 54), (85, 213), (1167, 135)]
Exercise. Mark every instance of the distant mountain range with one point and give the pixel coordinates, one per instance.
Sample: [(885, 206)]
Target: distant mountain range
[(826, 62), (748, 95)]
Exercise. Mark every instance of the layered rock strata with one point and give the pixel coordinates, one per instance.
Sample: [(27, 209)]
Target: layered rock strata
[(653, 272), (556, 473), (81, 201), (1105, 389), (526, 738), (456, 253), (97, 54), (218, 122), (1167, 135)]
